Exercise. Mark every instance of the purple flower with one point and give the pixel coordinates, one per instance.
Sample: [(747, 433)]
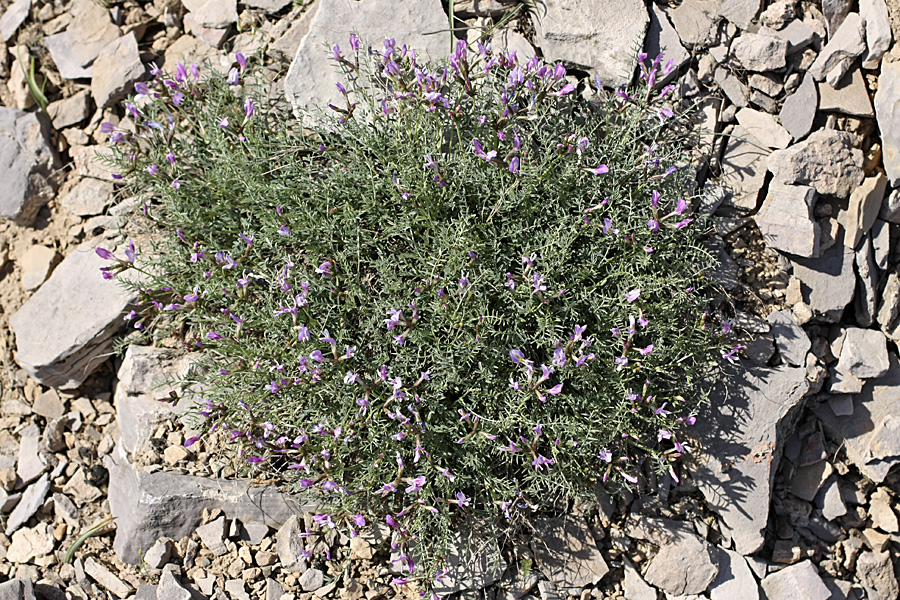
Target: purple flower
[(170, 156), (340, 88), (632, 295), (566, 89), (683, 224), (213, 335), (654, 198), (681, 206), (599, 170), (354, 42), (415, 484), (324, 269), (386, 489), (517, 356), (621, 362), (514, 165), (247, 240), (605, 455), (141, 89), (629, 478), (284, 231), (646, 351), (663, 435), (233, 76), (223, 122), (539, 462), (152, 169), (359, 520), (316, 355), (191, 441), (177, 98), (556, 389), (430, 163), (480, 153), (461, 499), (241, 60), (104, 253), (326, 337), (249, 107), (107, 127), (653, 225)]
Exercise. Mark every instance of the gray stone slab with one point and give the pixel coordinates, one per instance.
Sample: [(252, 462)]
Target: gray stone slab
[(786, 220), (827, 161), (565, 552), (734, 580), (790, 339), (29, 162), (115, 70), (844, 47), (850, 96), (799, 109), (827, 283), (13, 17), (887, 111), (878, 31)]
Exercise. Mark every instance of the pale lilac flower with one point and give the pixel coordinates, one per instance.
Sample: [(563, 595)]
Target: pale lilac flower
[(107, 127), (599, 170), (514, 384), (555, 390), (605, 455), (681, 206), (632, 295), (415, 484), (514, 164), (683, 224), (653, 225), (354, 42), (462, 500), (241, 60), (539, 462), (152, 169), (176, 184), (141, 89), (663, 435), (566, 89), (646, 351), (629, 478), (233, 76), (324, 269), (223, 122), (170, 156), (284, 231), (517, 356), (479, 151), (621, 362), (351, 377), (249, 108)]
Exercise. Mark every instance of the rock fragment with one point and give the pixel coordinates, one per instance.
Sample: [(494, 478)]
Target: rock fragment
[(849, 96), (864, 354), (567, 554), (734, 578), (66, 325), (827, 161), (800, 581), (598, 37), (799, 109), (115, 70), (876, 572), (878, 31), (694, 20), (32, 499), (13, 17), (863, 208), (790, 339), (740, 12), (107, 578), (836, 58), (634, 585), (29, 163), (70, 111), (758, 52), (887, 111), (663, 39), (764, 127), (28, 544), (786, 220), (684, 564), (213, 536), (170, 588), (828, 282), (35, 264), (867, 278), (215, 14), (88, 33), (17, 589), (88, 197), (743, 168)]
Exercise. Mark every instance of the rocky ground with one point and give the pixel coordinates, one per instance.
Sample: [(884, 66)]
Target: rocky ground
[(790, 492)]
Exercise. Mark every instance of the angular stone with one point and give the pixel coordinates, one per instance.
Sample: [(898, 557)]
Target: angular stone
[(31, 501), (887, 110), (270, 6), (790, 339), (827, 161), (740, 12), (881, 243), (107, 578), (734, 579), (88, 33), (170, 588), (149, 506), (566, 552), (832, 504), (889, 309), (29, 162), (311, 580), (797, 34), (213, 37), (741, 440), (694, 20), (767, 83), (800, 581), (89, 197), (835, 59), (827, 282), (115, 70), (663, 39), (28, 544), (864, 354), (878, 31), (871, 435), (684, 564), (17, 589), (158, 554), (285, 47), (805, 482), (634, 585), (308, 82), (215, 14), (70, 111), (843, 383), (290, 547), (213, 536), (863, 208), (35, 264), (866, 300), (49, 405), (81, 489), (849, 97), (764, 127), (841, 405), (731, 87), (758, 52), (882, 515), (66, 325), (13, 17), (743, 169), (30, 465), (598, 37), (786, 220), (799, 109), (876, 573), (254, 532), (835, 11)]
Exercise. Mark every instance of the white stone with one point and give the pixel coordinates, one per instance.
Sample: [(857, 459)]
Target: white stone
[(28, 544), (88, 33), (827, 161), (14, 15), (878, 31), (310, 79), (215, 14), (106, 578), (634, 585), (786, 219), (740, 12), (843, 48), (864, 353), (887, 110), (758, 52), (800, 581), (863, 208), (116, 69), (694, 20), (35, 264), (28, 163), (88, 197), (764, 127)]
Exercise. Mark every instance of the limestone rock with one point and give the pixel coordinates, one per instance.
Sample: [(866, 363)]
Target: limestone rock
[(867, 278), (800, 581), (69, 111), (881, 243), (827, 161), (743, 168), (835, 12), (14, 15), (311, 580), (806, 481), (731, 86), (290, 547), (799, 109), (740, 12), (566, 553), (213, 37), (170, 588), (215, 14), (758, 52), (887, 111), (878, 31), (827, 282), (29, 162), (832, 504), (213, 537), (17, 589), (797, 34), (270, 6), (694, 20), (598, 37), (474, 563), (764, 127), (149, 506), (786, 220), (835, 59), (102, 575), (863, 208), (740, 441), (115, 70), (864, 354), (308, 84), (88, 197), (876, 572), (28, 544), (66, 325), (663, 39), (790, 339), (28, 505), (871, 435), (35, 264), (88, 33), (684, 564), (849, 97), (634, 586), (734, 579)]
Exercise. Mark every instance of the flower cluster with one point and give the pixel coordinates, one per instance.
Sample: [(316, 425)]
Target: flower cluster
[(469, 286)]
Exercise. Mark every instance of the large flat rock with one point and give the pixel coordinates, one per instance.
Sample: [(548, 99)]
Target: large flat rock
[(64, 330), (887, 110), (28, 163), (89, 32), (148, 506), (312, 75), (871, 435), (740, 437), (827, 161), (598, 36), (827, 283)]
